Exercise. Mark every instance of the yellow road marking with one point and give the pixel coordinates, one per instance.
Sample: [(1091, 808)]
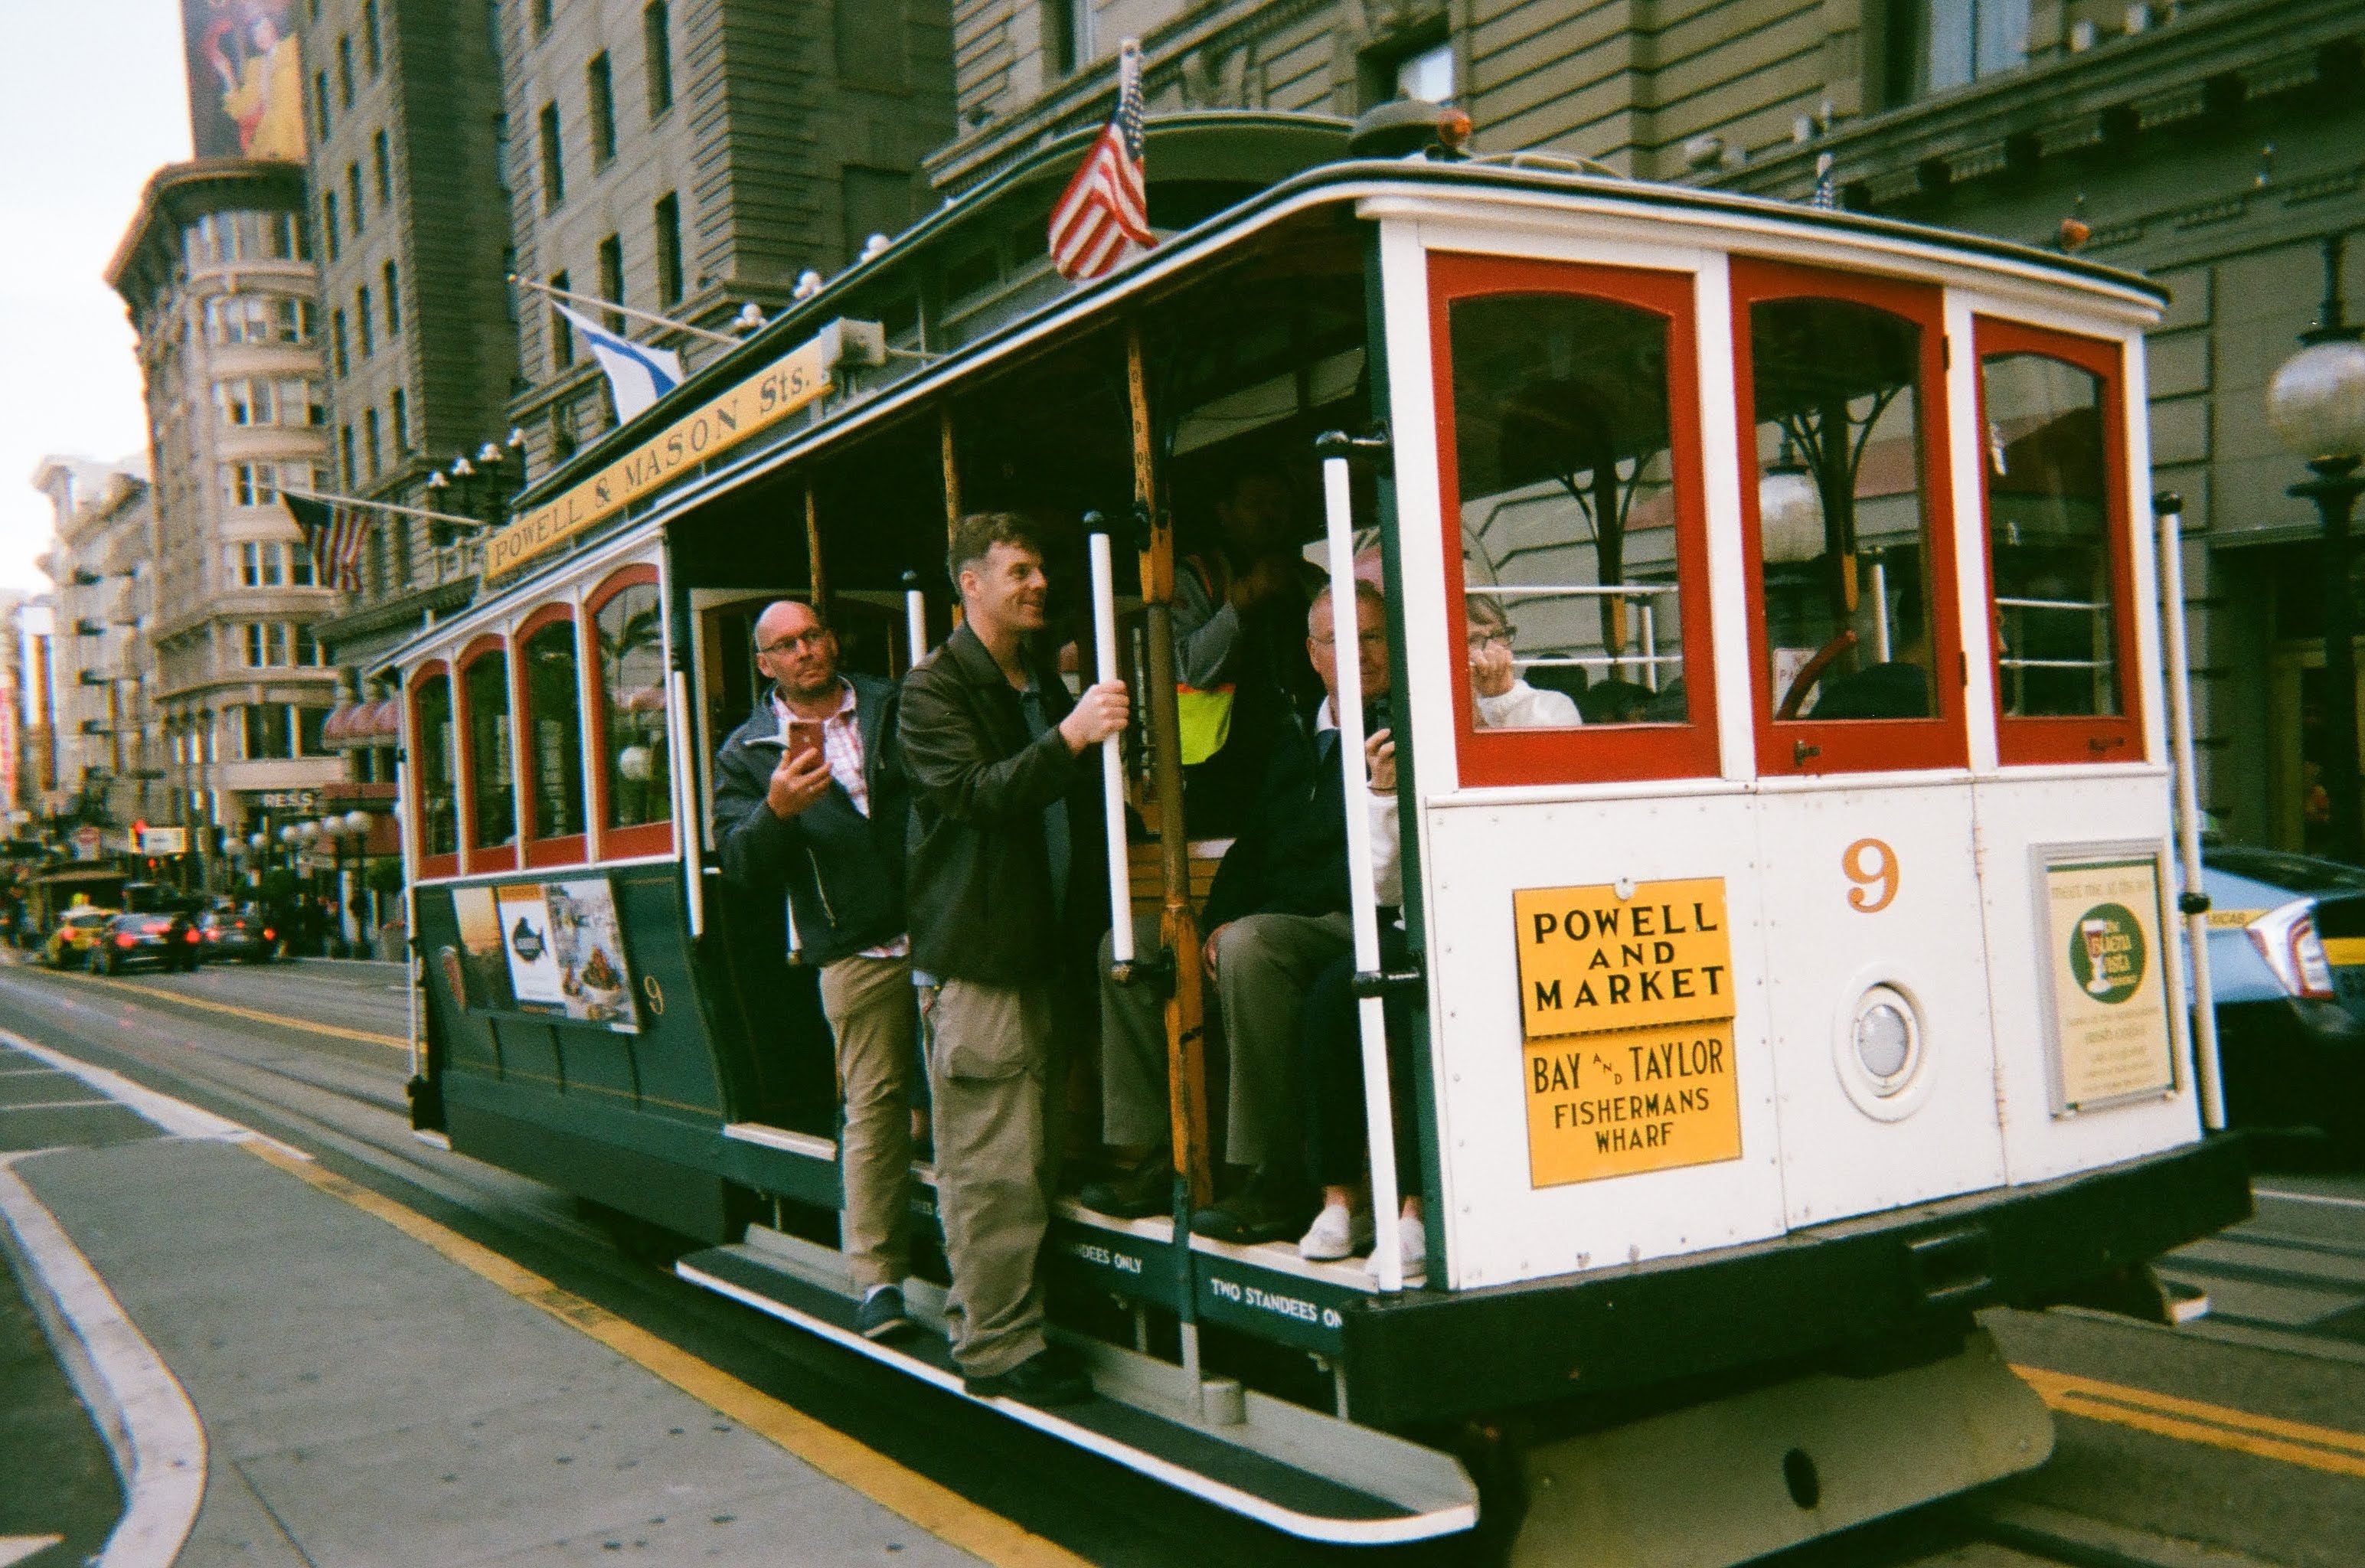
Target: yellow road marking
[(392, 1042), (2193, 1421), (940, 1511)]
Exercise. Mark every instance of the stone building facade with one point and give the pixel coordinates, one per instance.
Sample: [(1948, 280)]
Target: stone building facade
[(109, 746), (2212, 145), (688, 157), (217, 273)]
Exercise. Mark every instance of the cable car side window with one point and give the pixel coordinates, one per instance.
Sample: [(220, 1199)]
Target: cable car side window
[(1848, 535), (2058, 561), (550, 732), (492, 803), (435, 767), (1575, 532), (629, 685)]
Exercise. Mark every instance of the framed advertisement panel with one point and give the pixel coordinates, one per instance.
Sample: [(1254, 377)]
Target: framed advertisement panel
[(552, 950), (2103, 920)]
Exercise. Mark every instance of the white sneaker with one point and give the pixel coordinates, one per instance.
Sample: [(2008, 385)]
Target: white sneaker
[(1412, 1237), (1336, 1233)]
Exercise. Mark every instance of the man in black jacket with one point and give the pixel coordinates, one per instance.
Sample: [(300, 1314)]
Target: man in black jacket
[(826, 824), (1276, 916), (1005, 856)]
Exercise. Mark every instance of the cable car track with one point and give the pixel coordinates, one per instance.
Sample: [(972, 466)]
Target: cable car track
[(343, 1117)]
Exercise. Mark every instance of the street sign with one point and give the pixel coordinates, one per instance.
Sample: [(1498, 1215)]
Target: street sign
[(163, 841), (85, 842)]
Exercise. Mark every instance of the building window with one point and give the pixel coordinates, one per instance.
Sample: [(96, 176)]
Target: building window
[(354, 195), (320, 102), (1067, 34), (668, 226), (345, 73), (401, 419), (364, 323), (369, 441), (562, 336), (265, 643), (299, 565), (337, 345), (328, 235), (397, 529), (562, 432), (259, 563), (257, 484), (1428, 74), (393, 301), (1934, 45), (309, 722), (612, 279), (296, 321), (345, 451), (553, 173), (541, 9), (382, 164), (657, 42), (372, 50), (264, 729), (600, 91)]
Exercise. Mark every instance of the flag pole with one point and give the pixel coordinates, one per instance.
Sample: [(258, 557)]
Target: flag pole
[(454, 519), (649, 316)]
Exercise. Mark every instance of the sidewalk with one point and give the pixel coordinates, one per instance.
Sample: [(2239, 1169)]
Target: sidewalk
[(366, 1399)]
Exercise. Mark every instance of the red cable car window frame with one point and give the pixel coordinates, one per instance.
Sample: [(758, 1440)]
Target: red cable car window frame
[(2072, 738), (1855, 745), (1589, 753), (477, 857), (432, 866), (645, 838), (567, 848)]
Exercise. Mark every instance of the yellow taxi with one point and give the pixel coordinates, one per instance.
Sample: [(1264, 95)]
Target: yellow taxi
[(79, 931)]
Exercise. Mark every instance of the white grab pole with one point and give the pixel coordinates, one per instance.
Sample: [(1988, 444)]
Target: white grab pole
[(1346, 647), (2187, 810), (915, 624), (1120, 870)]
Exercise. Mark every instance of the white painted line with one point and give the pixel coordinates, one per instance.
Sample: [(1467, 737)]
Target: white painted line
[(2308, 1197), (54, 1106), (175, 1116), (159, 1447)]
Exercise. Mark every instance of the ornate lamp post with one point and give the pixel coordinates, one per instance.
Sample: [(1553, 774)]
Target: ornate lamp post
[(2316, 404)]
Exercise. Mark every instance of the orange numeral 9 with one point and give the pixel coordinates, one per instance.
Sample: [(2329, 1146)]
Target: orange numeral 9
[(1870, 865)]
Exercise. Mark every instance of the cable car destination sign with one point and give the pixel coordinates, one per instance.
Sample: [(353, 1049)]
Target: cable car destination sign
[(1626, 1010), (793, 381)]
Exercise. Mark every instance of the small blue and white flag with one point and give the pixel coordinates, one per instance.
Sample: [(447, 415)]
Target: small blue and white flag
[(637, 375)]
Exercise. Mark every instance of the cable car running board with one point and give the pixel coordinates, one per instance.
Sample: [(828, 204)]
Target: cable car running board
[(1299, 1472)]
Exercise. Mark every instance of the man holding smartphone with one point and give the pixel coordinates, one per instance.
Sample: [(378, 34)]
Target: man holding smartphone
[(810, 800)]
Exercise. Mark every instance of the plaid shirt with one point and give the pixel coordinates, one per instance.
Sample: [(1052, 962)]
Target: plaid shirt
[(841, 747)]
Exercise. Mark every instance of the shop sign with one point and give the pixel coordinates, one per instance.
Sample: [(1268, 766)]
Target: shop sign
[(289, 800), (163, 841), (1626, 1011), (2102, 927)]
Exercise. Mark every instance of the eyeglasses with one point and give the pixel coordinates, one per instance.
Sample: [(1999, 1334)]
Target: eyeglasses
[(803, 640), (1483, 636), (1375, 638)]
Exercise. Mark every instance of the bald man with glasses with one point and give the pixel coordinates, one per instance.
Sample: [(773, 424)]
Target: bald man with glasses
[(810, 802)]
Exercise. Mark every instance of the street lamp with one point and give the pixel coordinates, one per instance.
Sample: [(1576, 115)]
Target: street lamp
[(2316, 404)]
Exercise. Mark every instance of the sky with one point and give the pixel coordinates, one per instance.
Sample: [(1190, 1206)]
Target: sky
[(93, 100)]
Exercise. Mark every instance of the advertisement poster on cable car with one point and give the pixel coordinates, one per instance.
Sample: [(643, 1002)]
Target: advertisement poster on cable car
[(2110, 1004), (1626, 1003), (554, 950)]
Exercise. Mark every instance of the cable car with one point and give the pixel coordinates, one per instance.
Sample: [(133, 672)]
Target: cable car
[(1798, 983)]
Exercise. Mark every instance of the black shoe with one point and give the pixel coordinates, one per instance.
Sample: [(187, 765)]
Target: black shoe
[(1133, 1193), (1265, 1210), (882, 1316), (1040, 1381)]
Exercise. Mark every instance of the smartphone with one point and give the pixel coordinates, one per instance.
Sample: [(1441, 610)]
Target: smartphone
[(803, 738)]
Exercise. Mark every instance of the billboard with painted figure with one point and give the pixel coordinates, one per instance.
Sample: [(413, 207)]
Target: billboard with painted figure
[(246, 79)]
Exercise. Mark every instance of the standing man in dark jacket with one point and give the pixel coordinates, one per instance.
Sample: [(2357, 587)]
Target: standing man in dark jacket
[(826, 824), (1006, 854)]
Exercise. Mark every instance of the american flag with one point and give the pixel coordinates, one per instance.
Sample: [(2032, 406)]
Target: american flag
[(1106, 206), (1827, 184), (333, 535)]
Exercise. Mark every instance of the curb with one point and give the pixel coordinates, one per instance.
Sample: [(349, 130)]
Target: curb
[(2093, 1543)]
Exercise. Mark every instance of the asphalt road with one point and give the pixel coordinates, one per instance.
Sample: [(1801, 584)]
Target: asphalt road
[(2236, 1438)]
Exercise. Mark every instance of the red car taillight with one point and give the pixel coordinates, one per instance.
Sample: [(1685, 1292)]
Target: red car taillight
[(124, 940), (268, 934), (188, 936)]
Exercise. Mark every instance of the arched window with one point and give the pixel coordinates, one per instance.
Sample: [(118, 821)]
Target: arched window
[(550, 731), (492, 796), (630, 697), (435, 771)]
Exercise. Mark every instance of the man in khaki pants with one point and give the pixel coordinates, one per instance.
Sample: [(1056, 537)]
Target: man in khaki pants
[(1005, 856), (809, 799)]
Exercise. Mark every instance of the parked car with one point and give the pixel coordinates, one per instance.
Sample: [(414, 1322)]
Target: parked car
[(2287, 966), (168, 941), (237, 931), (76, 934)]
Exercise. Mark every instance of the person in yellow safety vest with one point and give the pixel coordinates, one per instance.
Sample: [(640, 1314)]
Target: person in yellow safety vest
[(1239, 611)]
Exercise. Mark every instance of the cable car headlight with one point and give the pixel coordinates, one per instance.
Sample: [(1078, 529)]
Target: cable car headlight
[(1884, 1043), (2285, 938), (1880, 1047)]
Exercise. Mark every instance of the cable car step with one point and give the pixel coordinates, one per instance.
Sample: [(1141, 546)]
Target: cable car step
[(1302, 1473)]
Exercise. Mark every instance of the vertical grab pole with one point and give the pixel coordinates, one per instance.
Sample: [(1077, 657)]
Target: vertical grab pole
[(1120, 873), (1186, 1060), (1346, 645), (2194, 901), (916, 620)]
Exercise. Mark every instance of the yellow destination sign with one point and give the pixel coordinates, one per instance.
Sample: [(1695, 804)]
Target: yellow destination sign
[(764, 399), (2109, 999), (1625, 1006), (1591, 960)]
